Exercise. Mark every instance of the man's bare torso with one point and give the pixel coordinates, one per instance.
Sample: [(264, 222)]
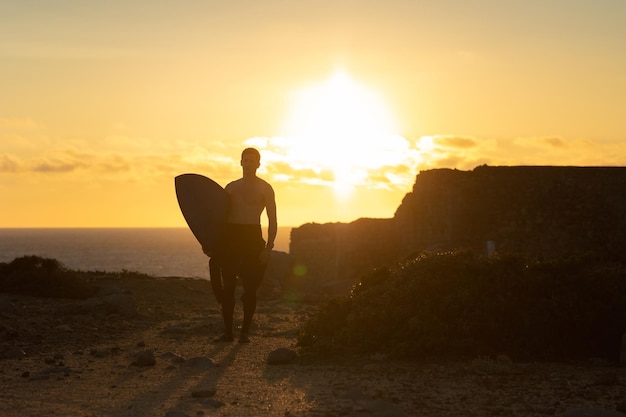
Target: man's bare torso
[(249, 196)]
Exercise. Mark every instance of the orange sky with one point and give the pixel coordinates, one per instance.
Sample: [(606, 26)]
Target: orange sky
[(103, 103)]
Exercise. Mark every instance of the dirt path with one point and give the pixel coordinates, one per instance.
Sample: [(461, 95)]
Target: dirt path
[(83, 366)]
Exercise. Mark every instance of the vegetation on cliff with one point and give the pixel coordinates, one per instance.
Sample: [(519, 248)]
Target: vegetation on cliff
[(446, 305), (458, 304), (47, 277), (42, 277)]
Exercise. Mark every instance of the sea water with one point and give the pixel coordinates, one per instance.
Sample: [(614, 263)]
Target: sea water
[(160, 252)]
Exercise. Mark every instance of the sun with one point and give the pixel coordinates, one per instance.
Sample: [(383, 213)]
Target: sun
[(341, 127)]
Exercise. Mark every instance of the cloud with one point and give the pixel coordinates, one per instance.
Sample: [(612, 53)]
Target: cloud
[(391, 176), (116, 158), (468, 152), (284, 172), (8, 164), (455, 142), (555, 142), (368, 162), (392, 168), (55, 166), (114, 163), (551, 151), (62, 161)]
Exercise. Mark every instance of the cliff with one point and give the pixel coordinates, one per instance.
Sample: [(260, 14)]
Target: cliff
[(542, 212)]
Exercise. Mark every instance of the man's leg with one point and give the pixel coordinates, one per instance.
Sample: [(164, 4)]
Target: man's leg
[(215, 272), (228, 303), (251, 279)]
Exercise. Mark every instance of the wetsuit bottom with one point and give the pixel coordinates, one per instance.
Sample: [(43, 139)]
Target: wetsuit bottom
[(243, 244)]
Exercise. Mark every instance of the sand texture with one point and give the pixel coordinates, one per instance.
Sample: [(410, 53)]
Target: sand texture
[(86, 358)]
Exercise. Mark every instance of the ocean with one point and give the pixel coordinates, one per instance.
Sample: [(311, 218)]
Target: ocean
[(160, 252)]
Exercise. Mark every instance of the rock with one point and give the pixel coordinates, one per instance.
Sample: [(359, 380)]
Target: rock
[(199, 363), (66, 328), (144, 358), (203, 393), (174, 329), (519, 202), (45, 374), (592, 412), (212, 402), (176, 414), (174, 358), (281, 356), (276, 273)]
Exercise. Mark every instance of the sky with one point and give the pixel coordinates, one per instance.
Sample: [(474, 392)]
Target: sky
[(102, 104)]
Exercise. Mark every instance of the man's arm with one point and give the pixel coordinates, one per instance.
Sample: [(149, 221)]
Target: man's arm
[(270, 209)]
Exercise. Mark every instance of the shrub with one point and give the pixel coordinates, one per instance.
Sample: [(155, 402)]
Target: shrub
[(458, 305), (42, 277)]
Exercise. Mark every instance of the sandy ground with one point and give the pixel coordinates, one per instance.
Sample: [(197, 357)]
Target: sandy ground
[(83, 365)]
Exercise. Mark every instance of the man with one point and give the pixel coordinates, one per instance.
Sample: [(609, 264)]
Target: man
[(244, 253)]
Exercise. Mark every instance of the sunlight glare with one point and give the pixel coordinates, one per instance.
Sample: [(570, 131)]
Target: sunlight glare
[(343, 127)]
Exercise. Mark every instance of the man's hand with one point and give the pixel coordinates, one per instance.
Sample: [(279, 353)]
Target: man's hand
[(266, 254)]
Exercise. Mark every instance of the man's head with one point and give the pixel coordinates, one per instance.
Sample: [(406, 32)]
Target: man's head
[(250, 159), (252, 152)]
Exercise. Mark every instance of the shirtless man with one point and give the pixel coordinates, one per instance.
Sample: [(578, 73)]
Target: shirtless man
[(245, 253)]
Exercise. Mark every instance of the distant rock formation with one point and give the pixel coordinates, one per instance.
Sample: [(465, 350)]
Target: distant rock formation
[(544, 212), (329, 256)]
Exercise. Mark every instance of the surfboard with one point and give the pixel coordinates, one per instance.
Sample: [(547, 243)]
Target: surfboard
[(204, 205)]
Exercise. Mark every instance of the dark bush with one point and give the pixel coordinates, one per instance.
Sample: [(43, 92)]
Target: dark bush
[(42, 277), (461, 305)]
